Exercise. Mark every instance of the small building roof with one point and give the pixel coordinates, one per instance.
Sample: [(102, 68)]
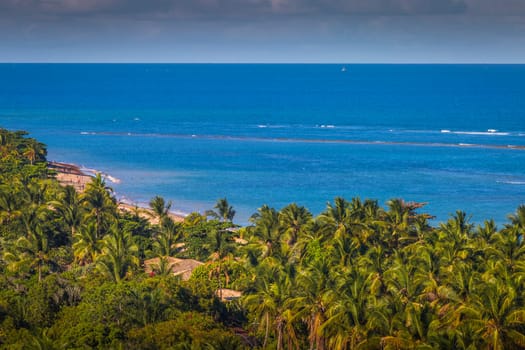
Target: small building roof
[(179, 267), (228, 294)]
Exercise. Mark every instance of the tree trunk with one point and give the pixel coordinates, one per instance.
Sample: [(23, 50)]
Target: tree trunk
[(267, 330)]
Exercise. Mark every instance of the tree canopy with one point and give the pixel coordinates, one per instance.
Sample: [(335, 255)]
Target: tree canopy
[(356, 276)]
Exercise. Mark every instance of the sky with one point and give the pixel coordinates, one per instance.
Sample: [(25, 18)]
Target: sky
[(304, 31)]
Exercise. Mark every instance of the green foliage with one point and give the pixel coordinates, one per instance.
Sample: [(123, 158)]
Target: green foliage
[(200, 240), (357, 276), (20, 156), (188, 331), (224, 211)]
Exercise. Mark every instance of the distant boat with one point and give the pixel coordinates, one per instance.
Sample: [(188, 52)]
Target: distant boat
[(343, 69)]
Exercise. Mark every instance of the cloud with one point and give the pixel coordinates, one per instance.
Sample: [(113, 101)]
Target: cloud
[(203, 30), (63, 10), (217, 9)]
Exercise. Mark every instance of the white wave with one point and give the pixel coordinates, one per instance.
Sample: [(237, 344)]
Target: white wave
[(327, 126), (465, 144), (87, 133), (273, 126), (491, 132), (111, 178), (104, 175), (512, 182)]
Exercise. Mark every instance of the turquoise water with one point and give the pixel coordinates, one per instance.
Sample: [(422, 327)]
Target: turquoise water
[(449, 135)]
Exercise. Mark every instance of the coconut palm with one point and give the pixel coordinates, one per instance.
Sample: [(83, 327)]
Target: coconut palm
[(11, 203), (266, 229), (224, 211), (34, 150), (495, 315), (453, 238), (335, 218), (294, 220), (518, 219), (69, 208), (346, 315), (87, 244), (314, 293), (165, 243), (222, 250), (160, 208), (269, 307), (30, 252), (163, 268), (100, 206), (119, 254)]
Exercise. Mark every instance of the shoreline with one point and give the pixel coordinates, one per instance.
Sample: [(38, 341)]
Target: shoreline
[(78, 177), (70, 174)]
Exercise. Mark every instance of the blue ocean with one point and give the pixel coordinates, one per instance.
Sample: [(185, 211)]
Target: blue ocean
[(452, 136)]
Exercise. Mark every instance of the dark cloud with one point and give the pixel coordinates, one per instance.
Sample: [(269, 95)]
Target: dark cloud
[(254, 8), (263, 30)]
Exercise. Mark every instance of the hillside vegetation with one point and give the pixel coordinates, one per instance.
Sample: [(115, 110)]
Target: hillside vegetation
[(358, 276)]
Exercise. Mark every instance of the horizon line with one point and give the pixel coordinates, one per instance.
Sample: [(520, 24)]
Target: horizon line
[(264, 63)]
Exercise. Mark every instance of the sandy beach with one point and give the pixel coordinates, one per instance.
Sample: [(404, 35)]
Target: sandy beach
[(71, 174), (146, 213)]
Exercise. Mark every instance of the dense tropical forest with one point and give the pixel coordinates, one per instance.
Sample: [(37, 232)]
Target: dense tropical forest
[(358, 276)]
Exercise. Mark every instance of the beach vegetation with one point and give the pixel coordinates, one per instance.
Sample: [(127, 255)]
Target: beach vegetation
[(223, 211), (356, 276)]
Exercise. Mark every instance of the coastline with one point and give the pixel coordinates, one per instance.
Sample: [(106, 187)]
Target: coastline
[(70, 174), (78, 177)]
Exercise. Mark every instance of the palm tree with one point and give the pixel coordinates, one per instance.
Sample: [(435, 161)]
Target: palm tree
[(30, 252), (87, 245), (163, 268), (294, 220), (269, 306), (11, 203), (453, 238), (314, 286), (221, 252), (266, 229), (100, 205), (509, 245), (165, 243), (497, 316), (336, 217), (518, 219), (118, 255), (34, 150), (160, 208), (345, 326), (224, 211), (69, 207)]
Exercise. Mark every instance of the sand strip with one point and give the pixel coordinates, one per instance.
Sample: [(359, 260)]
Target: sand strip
[(70, 174)]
